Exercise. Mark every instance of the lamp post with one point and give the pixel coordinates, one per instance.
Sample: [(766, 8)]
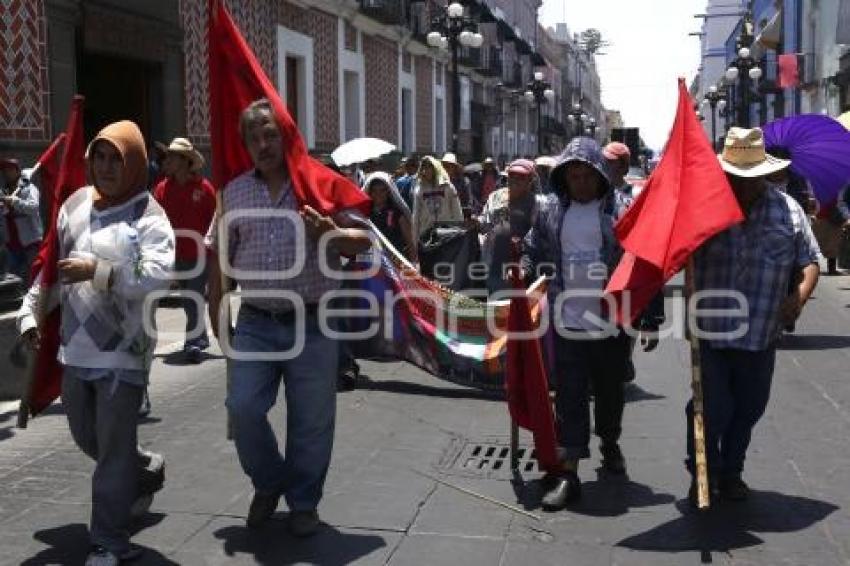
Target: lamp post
[(715, 99), (540, 91), (590, 130), (744, 69), (578, 118), (452, 30)]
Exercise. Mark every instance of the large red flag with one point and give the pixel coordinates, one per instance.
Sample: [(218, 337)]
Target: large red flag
[(46, 378), (237, 80), (526, 384), (48, 168), (686, 201)]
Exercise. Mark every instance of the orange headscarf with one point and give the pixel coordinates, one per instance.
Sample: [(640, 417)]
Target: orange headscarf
[(128, 140)]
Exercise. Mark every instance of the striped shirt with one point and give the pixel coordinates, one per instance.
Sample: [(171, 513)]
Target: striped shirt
[(268, 248), (756, 259)]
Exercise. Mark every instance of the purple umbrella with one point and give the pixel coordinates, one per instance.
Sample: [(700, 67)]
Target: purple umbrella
[(819, 149)]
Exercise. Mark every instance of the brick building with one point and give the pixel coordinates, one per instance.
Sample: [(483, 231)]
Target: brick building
[(346, 68)]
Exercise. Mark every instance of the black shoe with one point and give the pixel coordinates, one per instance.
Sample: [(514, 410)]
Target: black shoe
[(263, 506), (613, 461), (693, 495), (733, 488), (565, 491), (303, 524)]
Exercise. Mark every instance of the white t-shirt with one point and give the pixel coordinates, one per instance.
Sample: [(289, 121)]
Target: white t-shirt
[(582, 265)]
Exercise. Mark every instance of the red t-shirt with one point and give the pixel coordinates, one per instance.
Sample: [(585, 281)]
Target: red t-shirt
[(189, 207)]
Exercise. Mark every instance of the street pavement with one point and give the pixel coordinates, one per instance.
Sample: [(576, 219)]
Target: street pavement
[(402, 430)]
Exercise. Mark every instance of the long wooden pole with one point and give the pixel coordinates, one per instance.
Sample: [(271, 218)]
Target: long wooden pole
[(225, 287), (701, 463)]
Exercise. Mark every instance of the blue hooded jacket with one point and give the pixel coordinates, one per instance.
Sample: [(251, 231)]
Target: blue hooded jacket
[(542, 253)]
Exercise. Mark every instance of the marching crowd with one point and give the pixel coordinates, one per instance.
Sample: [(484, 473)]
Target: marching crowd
[(143, 218)]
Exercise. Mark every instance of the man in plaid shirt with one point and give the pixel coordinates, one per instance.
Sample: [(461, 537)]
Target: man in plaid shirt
[(748, 271), (272, 245)]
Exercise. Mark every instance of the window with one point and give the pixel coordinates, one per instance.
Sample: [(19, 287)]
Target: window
[(406, 121), (292, 87), (351, 88), (439, 127)]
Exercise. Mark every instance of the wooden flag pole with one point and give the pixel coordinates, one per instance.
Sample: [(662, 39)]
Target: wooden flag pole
[(225, 287), (701, 463)]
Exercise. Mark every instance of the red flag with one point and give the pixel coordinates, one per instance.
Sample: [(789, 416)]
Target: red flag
[(237, 80), (686, 201), (47, 375), (789, 70), (48, 168), (526, 384)]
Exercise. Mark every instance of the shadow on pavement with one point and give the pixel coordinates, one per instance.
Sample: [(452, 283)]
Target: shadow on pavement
[(178, 358), (69, 544), (273, 545), (794, 342), (606, 496), (634, 393), (730, 526), (407, 388)]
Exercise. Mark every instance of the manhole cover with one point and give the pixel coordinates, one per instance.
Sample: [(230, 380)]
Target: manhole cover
[(489, 459)]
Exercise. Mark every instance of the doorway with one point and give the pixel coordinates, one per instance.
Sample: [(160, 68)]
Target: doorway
[(121, 89)]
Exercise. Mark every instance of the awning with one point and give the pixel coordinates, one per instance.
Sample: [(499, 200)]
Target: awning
[(771, 35)]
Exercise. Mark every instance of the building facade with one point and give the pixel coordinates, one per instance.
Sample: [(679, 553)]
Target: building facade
[(346, 69)]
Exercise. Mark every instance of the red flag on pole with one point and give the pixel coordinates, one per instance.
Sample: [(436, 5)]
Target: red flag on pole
[(526, 384), (46, 379), (686, 201), (237, 80), (48, 168), (789, 70)]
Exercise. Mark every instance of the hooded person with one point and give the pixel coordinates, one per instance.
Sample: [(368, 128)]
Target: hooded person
[(116, 247), (390, 213), (435, 198), (572, 239)]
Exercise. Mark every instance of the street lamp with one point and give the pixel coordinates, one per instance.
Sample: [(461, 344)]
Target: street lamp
[(580, 121), (746, 71), (450, 31), (714, 98), (540, 91)]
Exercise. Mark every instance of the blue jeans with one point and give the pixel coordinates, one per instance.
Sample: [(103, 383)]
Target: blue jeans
[(310, 388), (736, 389)]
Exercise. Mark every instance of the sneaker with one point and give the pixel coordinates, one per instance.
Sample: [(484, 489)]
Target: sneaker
[(565, 491), (733, 488), (145, 408), (303, 524), (100, 556), (612, 459), (263, 506)]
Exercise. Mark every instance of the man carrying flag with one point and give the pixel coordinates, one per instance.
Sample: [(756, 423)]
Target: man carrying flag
[(115, 246), (753, 262)]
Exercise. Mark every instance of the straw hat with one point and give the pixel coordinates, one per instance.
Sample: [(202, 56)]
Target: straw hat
[(450, 159), (184, 147), (744, 154)]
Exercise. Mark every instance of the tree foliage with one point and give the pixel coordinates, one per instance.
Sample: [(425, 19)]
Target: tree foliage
[(592, 42)]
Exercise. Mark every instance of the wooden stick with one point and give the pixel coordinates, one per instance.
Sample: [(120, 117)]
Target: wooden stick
[(225, 286), (703, 500), (514, 445), (29, 389), (507, 506)]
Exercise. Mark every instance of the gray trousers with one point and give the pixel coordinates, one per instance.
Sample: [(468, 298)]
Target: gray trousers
[(103, 424)]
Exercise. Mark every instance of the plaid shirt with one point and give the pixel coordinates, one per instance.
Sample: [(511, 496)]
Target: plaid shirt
[(266, 243), (757, 259)]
